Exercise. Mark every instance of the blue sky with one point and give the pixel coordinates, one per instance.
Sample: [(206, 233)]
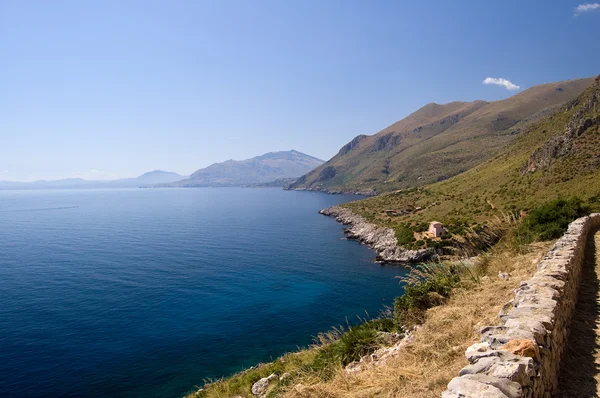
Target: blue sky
[(106, 89)]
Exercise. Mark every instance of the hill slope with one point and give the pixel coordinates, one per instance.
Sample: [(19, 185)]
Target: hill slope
[(265, 168), (437, 141), (557, 157)]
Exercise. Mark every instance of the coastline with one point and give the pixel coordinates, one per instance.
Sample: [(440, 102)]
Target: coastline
[(382, 240), (369, 193)]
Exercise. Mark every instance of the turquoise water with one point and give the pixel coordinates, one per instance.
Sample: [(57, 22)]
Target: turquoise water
[(147, 292)]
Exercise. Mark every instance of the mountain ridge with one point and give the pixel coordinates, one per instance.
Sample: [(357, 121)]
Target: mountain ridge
[(556, 157), (150, 177), (436, 141), (264, 168)]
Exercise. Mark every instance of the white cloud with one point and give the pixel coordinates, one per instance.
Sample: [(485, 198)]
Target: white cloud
[(501, 82), (5, 171), (94, 171), (586, 8)]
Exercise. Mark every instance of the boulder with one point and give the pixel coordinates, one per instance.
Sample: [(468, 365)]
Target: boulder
[(261, 386), (466, 387)]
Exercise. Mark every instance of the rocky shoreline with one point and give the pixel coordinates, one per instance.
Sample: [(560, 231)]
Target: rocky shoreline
[(382, 240), (368, 193)]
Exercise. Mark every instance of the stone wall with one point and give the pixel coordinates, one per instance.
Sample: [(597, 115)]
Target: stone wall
[(521, 357)]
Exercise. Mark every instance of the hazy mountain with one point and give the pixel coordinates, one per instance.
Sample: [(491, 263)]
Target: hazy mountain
[(159, 176), (152, 177), (437, 141), (265, 168)]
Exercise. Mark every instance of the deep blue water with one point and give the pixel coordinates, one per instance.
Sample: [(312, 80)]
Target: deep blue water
[(147, 292)]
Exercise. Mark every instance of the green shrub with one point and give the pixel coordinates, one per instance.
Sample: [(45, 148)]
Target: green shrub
[(456, 226), (404, 235), (550, 221), (420, 227), (594, 203), (426, 287), (358, 341)]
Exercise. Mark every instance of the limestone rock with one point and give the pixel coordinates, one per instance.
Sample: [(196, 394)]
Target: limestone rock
[(509, 388), (354, 367), (382, 240), (389, 338), (477, 351), (260, 386), (466, 387), (503, 275)]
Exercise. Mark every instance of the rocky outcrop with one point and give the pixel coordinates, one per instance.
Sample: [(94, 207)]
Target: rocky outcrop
[(318, 188), (386, 141), (382, 240), (352, 144), (521, 356), (562, 145), (327, 173), (395, 343), (260, 387)]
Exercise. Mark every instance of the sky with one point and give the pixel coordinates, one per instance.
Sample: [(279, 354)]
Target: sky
[(110, 89)]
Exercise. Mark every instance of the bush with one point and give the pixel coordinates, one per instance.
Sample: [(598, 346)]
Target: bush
[(594, 203), (404, 235), (456, 226), (550, 220), (420, 227), (358, 341), (426, 287)]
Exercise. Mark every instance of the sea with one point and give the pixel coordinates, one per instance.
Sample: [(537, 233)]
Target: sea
[(152, 292)]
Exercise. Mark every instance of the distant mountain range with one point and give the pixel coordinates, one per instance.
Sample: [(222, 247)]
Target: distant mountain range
[(272, 168), (261, 169), (437, 141), (151, 177)]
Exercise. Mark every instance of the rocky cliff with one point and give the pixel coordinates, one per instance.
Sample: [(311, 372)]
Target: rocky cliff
[(562, 145), (382, 240)]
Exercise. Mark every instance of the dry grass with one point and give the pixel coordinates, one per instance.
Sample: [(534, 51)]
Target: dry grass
[(437, 354)]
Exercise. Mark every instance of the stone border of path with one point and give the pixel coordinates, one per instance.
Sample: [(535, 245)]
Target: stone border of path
[(521, 357)]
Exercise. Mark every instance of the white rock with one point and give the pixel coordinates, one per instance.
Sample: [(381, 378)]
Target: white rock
[(260, 386), (503, 275)]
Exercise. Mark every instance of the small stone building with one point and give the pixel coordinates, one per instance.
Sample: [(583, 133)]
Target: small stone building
[(436, 229)]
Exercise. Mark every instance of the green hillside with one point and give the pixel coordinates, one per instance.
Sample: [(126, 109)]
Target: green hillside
[(437, 141), (557, 157)]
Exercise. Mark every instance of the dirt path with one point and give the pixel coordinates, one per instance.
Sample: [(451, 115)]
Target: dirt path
[(580, 369)]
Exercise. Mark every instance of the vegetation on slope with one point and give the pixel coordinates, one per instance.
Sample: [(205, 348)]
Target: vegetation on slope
[(550, 220), (510, 185), (437, 141)]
